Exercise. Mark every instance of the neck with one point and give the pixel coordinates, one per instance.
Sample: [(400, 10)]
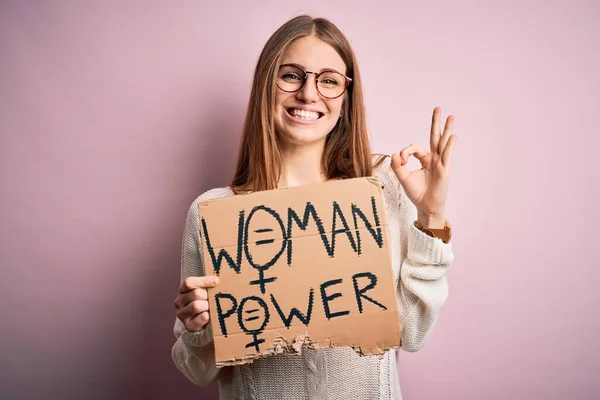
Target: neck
[(301, 165)]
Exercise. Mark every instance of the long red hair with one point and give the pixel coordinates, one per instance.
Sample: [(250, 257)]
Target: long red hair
[(347, 152)]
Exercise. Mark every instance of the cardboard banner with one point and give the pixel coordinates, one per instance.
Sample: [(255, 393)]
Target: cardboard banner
[(308, 265)]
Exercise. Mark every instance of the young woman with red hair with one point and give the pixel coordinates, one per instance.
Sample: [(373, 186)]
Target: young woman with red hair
[(305, 124)]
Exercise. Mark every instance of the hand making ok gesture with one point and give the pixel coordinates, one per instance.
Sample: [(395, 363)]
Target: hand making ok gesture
[(427, 187)]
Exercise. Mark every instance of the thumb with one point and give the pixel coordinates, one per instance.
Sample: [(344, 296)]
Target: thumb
[(398, 166)]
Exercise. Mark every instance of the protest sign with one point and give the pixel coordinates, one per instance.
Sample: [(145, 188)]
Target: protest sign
[(308, 265)]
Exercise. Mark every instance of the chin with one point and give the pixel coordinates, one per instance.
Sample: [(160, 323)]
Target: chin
[(297, 136)]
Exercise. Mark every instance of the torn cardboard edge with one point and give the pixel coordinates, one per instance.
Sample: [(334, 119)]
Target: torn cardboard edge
[(297, 345)]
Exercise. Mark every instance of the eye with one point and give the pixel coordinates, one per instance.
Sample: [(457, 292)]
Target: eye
[(291, 76), (331, 79)]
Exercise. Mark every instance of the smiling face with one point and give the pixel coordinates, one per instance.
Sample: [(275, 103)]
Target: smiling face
[(305, 117)]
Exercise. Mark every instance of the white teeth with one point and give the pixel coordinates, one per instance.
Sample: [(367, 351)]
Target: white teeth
[(304, 114)]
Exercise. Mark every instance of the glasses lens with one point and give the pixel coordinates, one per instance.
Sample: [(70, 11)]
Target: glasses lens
[(331, 84), (290, 78)]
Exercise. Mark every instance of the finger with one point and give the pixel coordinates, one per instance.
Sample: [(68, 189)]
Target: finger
[(195, 282), (447, 133), (203, 317), (197, 323), (194, 308), (425, 161), (412, 150), (398, 167), (183, 299), (447, 154), (434, 137), (196, 294)]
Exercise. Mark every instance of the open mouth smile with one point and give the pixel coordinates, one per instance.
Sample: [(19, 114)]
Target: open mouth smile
[(304, 115)]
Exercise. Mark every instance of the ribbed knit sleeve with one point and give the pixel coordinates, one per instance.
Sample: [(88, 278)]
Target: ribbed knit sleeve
[(422, 287), (194, 353)]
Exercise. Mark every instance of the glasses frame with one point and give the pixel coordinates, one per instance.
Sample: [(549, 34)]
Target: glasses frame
[(347, 80)]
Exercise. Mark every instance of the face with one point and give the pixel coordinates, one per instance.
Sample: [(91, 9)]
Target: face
[(305, 117)]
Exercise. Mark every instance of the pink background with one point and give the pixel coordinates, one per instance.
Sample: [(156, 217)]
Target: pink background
[(114, 116)]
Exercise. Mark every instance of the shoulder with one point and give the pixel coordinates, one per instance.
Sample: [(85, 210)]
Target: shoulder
[(392, 189), (382, 170), (381, 164), (215, 193)]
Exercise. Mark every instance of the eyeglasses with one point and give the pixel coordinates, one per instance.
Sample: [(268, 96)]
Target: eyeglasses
[(330, 83)]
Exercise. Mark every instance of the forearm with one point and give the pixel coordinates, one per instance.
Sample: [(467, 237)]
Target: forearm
[(422, 287), (194, 355)]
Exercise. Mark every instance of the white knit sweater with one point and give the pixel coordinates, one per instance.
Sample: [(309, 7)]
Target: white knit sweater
[(419, 262)]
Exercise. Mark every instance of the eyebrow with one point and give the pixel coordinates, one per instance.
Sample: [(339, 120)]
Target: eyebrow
[(304, 68)]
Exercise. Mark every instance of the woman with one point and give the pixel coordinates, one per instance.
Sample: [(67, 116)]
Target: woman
[(305, 124)]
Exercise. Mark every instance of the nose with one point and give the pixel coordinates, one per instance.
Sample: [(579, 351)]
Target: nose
[(309, 92)]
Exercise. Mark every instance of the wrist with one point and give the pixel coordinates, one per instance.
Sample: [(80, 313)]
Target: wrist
[(434, 221)]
